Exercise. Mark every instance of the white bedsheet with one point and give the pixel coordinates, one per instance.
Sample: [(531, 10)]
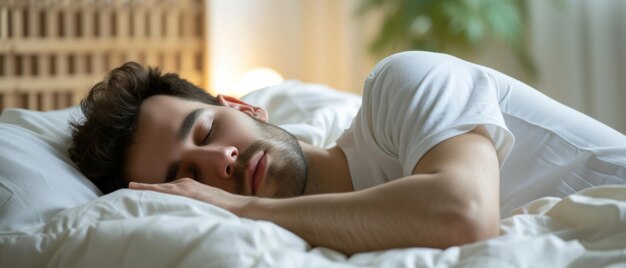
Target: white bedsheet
[(148, 229)]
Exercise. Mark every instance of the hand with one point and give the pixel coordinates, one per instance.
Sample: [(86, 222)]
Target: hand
[(196, 190)]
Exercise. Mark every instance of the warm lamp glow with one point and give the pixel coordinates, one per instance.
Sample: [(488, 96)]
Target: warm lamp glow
[(258, 78), (249, 81)]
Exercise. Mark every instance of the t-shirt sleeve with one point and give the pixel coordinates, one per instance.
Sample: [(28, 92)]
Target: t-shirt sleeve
[(415, 100)]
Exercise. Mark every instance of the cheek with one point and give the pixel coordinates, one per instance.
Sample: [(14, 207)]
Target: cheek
[(241, 134), (235, 137), (141, 163)]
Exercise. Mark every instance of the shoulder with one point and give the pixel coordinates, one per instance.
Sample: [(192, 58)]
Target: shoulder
[(402, 74), (417, 64)]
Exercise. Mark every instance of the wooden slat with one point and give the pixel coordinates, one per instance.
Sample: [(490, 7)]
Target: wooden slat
[(32, 84), (44, 65), (97, 64), (47, 101), (4, 22), (9, 100), (33, 22), (122, 23), (16, 18), (9, 61)]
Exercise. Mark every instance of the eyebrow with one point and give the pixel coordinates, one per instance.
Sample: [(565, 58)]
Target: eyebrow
[(188, 122), (185, 128)]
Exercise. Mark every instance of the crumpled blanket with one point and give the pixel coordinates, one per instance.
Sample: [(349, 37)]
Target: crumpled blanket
[(148, 229)]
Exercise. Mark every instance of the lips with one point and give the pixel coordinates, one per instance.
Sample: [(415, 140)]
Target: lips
[(256, 171), (259, 174)]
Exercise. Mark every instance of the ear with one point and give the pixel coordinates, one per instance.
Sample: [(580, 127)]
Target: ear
[(231, 102)]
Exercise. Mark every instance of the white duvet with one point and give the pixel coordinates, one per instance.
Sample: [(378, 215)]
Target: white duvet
[(147, 229), (50, 215)]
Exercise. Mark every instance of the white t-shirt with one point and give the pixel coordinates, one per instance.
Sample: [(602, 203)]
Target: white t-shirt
[(414, 100)]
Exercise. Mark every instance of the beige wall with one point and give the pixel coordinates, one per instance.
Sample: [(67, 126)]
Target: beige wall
[(318, 41), (310, 40), (578, 48)]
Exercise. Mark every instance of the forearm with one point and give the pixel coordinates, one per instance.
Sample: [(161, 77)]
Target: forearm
[(452, 200), (420, 210)]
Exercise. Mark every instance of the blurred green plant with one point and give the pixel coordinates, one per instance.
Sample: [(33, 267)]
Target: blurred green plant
[(459, 27)]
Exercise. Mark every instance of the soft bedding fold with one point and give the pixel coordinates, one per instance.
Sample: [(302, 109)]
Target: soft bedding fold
[(148, 229)]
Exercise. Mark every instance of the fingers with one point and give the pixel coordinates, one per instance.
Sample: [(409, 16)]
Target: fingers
[(178, 187), (193, 189), (135, 185), (144, 186), (166, 188), (141, 186), (184, 180)]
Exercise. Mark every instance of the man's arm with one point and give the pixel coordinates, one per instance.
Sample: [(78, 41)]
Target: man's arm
[(451, 199)]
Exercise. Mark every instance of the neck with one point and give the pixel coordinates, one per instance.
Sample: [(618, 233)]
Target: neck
[(328, 170)]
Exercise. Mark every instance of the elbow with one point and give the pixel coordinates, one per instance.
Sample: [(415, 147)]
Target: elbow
[(473, 231), (473, 225)]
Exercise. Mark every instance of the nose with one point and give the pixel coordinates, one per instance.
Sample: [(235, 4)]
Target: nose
[(218, 160)]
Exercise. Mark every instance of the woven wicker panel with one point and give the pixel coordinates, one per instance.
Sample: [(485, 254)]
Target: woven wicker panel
[(52, 52)]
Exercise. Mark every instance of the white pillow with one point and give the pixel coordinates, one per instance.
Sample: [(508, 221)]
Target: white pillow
[(314, 113), (37, 177)]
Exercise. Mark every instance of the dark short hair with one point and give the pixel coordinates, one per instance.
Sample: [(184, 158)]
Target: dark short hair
[(101, 139)]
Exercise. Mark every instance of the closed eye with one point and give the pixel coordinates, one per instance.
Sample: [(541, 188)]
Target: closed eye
[(208, 135)]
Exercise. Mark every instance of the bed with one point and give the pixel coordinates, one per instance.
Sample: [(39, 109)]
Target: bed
[(52, 216)]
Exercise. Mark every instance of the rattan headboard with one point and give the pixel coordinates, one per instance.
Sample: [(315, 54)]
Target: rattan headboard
[(53, 51)]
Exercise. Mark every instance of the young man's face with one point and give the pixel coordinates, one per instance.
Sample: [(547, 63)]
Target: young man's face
[(229, 147)]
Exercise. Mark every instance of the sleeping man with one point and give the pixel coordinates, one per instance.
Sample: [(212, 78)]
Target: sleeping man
[(440, 150)]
